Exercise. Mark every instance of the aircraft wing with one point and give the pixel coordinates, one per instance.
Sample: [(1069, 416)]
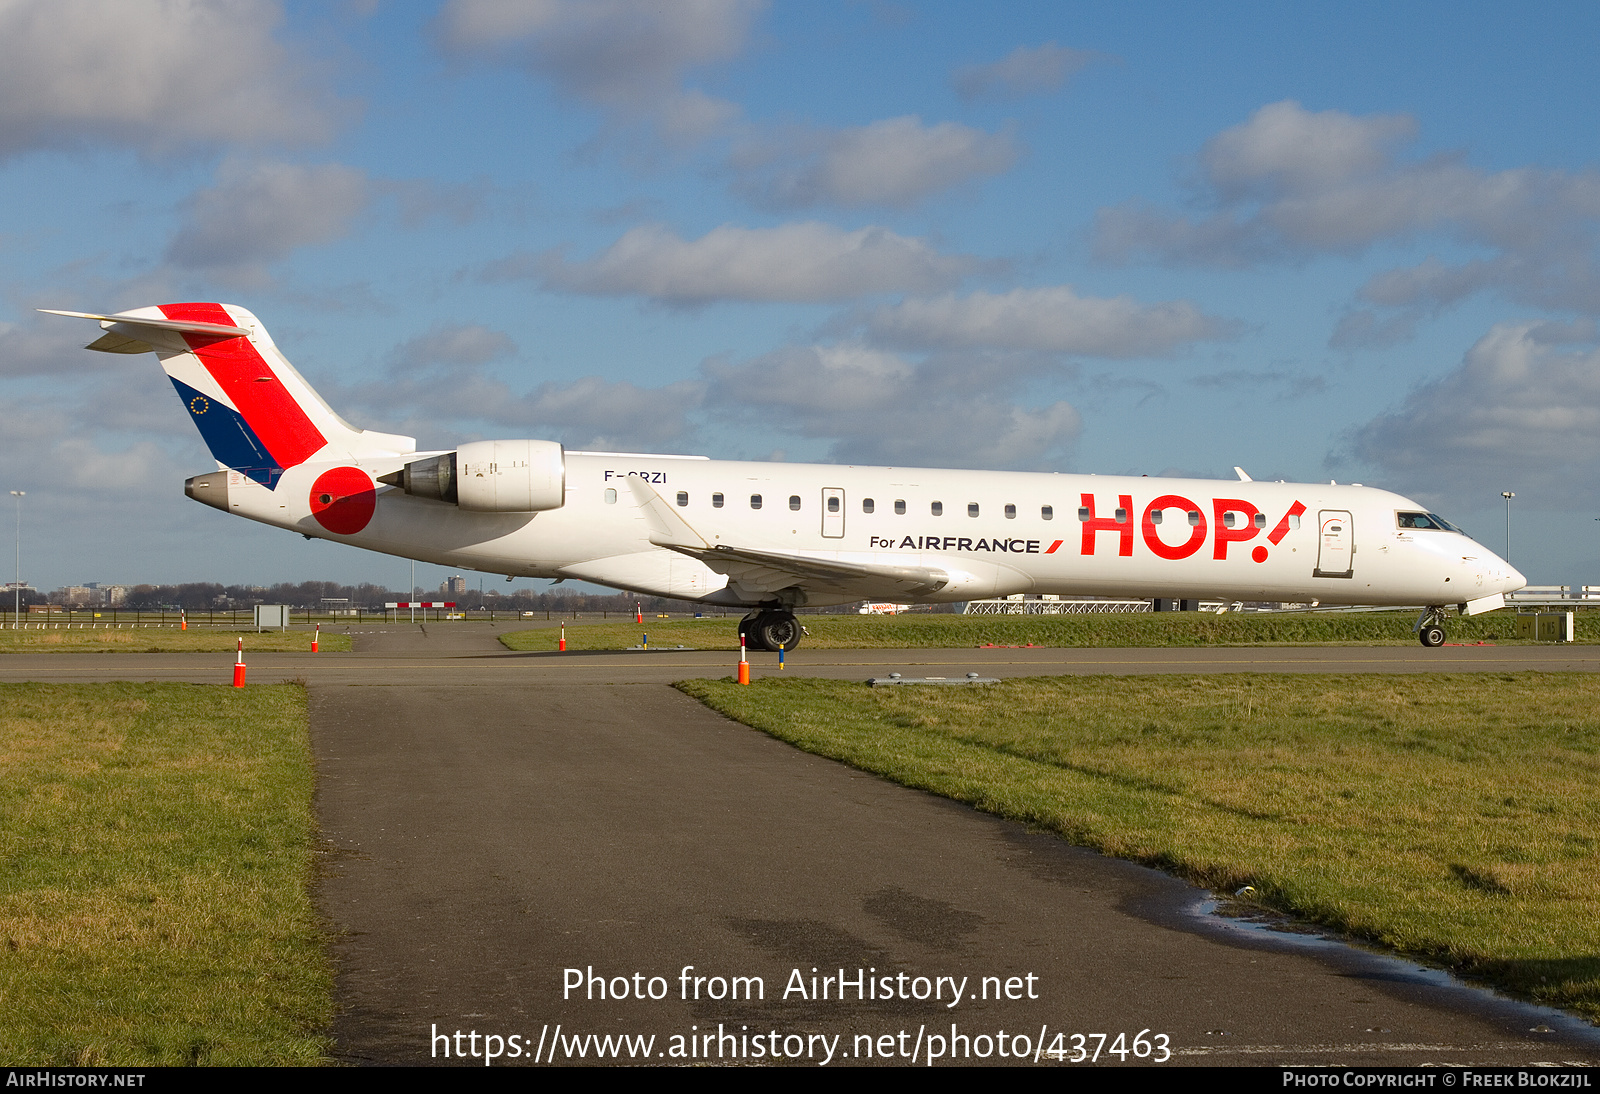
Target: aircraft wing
[(761, 570)]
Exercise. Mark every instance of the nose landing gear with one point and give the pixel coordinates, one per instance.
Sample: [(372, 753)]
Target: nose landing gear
[(1429, 626), (771, 629)]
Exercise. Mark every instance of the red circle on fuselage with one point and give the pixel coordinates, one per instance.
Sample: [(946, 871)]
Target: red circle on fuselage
[(343, 500)]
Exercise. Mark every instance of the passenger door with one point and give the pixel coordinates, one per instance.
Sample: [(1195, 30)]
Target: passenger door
[(1336, 546)]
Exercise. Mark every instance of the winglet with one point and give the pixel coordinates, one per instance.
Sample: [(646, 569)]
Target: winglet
[(1242, 476), (667, 528)]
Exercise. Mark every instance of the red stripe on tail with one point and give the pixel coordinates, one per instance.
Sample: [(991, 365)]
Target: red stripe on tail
[(257, 393)]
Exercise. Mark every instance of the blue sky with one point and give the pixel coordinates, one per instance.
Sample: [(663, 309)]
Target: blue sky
[(1318, 241)]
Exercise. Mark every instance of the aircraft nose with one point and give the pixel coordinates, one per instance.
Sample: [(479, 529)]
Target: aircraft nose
[(1512, 578)]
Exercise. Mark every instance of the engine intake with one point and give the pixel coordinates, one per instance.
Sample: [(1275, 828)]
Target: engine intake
[(490, 477)]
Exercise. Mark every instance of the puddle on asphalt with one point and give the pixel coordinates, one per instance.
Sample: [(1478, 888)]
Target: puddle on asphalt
[(1259, 926)]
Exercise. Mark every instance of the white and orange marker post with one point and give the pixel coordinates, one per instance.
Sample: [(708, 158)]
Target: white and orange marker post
[(744, 663), (561, 647), (316, 638), (183, 620), (638, 612), (238, 666)]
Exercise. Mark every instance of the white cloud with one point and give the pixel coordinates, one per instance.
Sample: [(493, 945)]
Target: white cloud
[(1286, 149), (48, 346), (1050, 319), (625, 56), (155, 75), (1522, 412), (894, 162), (1290, 184), (1027, 70), (258, 213), (870, 406), (439, 387), (878, 408), (802, 262), (452, 346)]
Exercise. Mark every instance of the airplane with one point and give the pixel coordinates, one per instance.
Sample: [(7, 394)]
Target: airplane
[(772, 537)]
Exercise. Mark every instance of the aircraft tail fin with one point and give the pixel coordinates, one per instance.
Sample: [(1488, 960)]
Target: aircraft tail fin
[(256, 413)]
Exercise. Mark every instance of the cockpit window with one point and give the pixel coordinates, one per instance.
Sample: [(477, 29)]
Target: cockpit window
[(1425, 520)]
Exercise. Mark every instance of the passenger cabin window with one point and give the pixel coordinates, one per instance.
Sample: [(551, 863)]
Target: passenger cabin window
[(1230, 520), (972, 508), (1011, 512), (1047, 512), (866, 505), (1083, 512), (1194, 518), (794, 501), (937, 508), (716, 501), (1261, 520), (900, 506), (611, 496), (755, 501), (1122, 516), (683, 497), (833, 505), (1155, 515)]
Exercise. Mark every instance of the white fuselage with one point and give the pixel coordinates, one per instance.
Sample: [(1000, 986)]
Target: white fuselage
[(993, 533)]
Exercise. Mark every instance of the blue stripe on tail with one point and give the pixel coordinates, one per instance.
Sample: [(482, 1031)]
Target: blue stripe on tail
[(231, 440)]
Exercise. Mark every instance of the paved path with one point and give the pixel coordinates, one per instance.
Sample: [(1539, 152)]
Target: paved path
[(577, 815)]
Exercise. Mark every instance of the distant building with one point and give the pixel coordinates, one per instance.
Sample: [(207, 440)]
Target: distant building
[(454, 586)]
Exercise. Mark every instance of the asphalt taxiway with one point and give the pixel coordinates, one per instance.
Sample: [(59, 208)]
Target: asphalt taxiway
[(497, 826)]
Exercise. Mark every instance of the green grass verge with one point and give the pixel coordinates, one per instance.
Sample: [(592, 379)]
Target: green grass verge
[(154, 905), (164, 640), (921, 631), (1455, 818)]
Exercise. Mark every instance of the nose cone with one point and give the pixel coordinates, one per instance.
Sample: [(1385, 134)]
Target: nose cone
[(1511, 578)]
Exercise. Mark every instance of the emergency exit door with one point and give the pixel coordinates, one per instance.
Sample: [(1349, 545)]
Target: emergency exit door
[(832, 512), (1336, 546)]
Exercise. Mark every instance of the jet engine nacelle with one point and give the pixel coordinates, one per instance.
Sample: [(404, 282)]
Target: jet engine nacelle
[(490, 477)]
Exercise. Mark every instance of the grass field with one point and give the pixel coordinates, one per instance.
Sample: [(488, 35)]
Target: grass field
[(924, 631), (1455, 818), (164, 640), (157, 851)]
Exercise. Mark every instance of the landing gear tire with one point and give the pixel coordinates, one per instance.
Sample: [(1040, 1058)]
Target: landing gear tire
[(778, 630), (1431, 636), (747, 631), (771, 630)]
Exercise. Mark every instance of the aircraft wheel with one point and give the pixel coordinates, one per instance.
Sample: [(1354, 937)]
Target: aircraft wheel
[(1432, 635), (750, 630), (778, 630)]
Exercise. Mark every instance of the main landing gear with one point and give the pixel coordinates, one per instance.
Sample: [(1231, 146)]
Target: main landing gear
[(1429, 626), (771, 629)]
